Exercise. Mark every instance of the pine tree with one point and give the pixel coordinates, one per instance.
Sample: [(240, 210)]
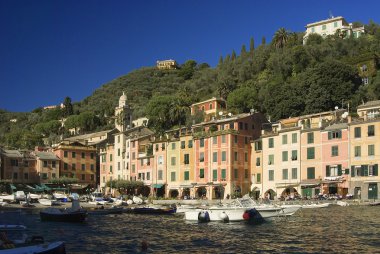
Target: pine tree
[(243, 51), (251, 45), (233, 55)]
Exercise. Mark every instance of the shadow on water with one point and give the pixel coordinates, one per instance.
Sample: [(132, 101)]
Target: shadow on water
[(353, 229)]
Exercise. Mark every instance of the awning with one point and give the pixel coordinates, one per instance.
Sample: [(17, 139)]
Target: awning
[(157, 185)]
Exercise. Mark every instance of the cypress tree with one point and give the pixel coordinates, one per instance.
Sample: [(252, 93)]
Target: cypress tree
[(251, 45), (233, 55)]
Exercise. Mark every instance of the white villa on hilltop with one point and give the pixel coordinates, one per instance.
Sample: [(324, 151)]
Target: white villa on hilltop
[(331, 26)]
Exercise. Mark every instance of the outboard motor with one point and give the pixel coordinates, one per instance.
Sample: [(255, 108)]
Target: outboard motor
[(224, 217), (203, 216), (252, 216)]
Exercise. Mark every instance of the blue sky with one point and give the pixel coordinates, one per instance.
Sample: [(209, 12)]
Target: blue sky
[(50, 49)]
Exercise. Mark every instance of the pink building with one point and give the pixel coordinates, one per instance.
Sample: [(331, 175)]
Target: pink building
[(335, 159)]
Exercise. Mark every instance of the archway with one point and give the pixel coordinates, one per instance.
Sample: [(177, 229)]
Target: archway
[(186, 193), (255, 194), (269, 194), (173, 193), (201, 192), (289, 193), (218, 192)]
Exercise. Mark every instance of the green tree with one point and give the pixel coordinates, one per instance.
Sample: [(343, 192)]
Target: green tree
[(187, 69), (243, 99), (280, 38), (67, 107), (251, 45)]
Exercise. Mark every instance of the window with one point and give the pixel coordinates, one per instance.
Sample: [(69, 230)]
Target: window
[(285, 174), (258, 145), (110, 157), (201, 173), (65, 166), (271, 175), (53, 175), (173, 146), (53, 164), (246, 140), (65, 154), (246, 173), (44, 176), (358, 151), (223, 138), (92, 177), (294, 173), (73, 155), (160, 160), (371, 130), (92, 167), (258, 178), (311, 173), (183, 144), (223, 174), (172, 176), (357, 132), (83, 177), (26, 163), (186, 175), (371, 150), (310, 153), (118, 139), (118, 165), (313, 29), (118, 152), (246, 157), (258, 161), (215, 157), (270, 159), (92, 156), (270, 143), (156, 147), (235, 139), (335, 24), (284, 139), (310, 138), (133, 168), (83, 166), (215, 175), (14, 163), (26, 176), (45, 164), (323, 27), (190, 145), (210, 106), (147, 175), (202, 142), (334, 151), (335, 134), (185, 159), (163, 147), (231, 126), (224, 155), (201, 157), (83, 155), (294, 138), (240, 125), (236, 173), (335, 170), (236, 156), (133, 155), (173, 161), (159, 175), (294, 155), (73, 166), (284, 155), (110, 168), (215, 140)]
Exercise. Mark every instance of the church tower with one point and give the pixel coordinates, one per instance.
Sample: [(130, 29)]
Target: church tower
[(123, 114)]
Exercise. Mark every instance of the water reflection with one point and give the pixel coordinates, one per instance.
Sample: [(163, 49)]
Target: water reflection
[(336, 229)]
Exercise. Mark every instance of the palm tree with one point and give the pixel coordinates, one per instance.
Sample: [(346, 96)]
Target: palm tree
[(280, 38)]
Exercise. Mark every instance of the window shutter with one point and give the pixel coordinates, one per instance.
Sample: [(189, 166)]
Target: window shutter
[(352, 171), (364, 170), (327, 170), (346, 171), (375, 169), (340, 134), (339, 170), (329, 135)]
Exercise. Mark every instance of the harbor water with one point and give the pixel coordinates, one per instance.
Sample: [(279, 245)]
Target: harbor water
[(353, 229)]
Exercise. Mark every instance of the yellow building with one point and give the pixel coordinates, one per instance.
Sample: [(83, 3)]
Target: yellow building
[(167, 64), (365, 151)]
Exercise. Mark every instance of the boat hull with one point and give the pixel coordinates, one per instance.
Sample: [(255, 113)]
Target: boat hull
[(51, 248), (79, 216), (151, 210)]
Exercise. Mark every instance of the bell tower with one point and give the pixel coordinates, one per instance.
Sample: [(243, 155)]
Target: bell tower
[(123, 114)]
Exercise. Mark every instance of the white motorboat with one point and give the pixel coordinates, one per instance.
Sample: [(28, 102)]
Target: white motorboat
[(315, 205), (219, 214), (286, 210), (7, 197), (60, 196), (137, 200), (20, 196), (48, 202)]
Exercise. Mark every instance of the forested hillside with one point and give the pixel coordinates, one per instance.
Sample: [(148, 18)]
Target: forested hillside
[(281, 79)]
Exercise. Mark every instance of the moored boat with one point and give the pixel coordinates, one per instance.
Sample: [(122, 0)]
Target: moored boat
[(104, 211), (315, 205), (73, 214), (153, 210)]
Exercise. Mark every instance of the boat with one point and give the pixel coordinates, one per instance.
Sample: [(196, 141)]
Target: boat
[(374, 203), (342, 203), (6, 197), (60, 196), (153, 210), (20, 196), (212, 214), (315, 205), (105, 211), (73, 214), (137, 200), (14, 240), (48, 202)]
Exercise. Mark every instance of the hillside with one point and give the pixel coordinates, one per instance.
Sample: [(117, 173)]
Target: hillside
[(282, 79)]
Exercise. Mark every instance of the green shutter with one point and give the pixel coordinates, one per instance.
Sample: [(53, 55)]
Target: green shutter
[(346, 171), (339, 170), (375, 170), (327, 170), (215, 175), (223, 174), (330, 135), (352, 171)]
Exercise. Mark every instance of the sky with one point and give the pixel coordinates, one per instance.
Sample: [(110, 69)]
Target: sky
[(51, 49)]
